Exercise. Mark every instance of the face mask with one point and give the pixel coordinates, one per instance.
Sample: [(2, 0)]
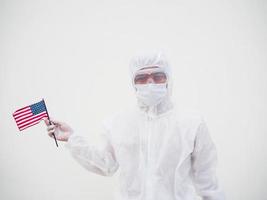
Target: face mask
[(151, 94)]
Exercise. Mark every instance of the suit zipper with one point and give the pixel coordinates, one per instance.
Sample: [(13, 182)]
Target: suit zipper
[(149, 121)]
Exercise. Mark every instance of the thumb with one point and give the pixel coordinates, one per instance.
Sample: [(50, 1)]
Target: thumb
[(46, 121)]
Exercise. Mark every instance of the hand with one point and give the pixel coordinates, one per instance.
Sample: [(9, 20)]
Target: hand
[(61, 130)]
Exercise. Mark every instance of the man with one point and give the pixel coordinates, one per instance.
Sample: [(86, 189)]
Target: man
[(162, 153)]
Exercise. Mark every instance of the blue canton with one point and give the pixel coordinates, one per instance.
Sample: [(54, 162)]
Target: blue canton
[(38, 108)]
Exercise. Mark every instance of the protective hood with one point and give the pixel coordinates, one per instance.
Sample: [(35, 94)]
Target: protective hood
[(147, 60)]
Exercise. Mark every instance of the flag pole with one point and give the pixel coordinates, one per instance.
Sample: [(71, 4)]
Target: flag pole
[(50, 123)]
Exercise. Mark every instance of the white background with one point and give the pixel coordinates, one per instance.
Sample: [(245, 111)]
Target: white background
[(75, 55)]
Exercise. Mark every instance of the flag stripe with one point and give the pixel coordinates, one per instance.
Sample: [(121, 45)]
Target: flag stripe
[(22, 115), (30, 118), (37, 119), (22, 111), (28, 126)]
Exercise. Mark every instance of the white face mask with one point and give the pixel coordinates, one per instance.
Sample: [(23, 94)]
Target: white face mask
[(151, 94)]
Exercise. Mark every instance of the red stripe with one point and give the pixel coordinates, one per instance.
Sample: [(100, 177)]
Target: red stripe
[(21, 109), (31, 118), (29, 126), (36, 120), (23, 115), (17, 113)]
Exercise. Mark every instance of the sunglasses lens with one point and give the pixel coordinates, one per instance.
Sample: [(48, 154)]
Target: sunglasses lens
[(141, 78), (159, 77)]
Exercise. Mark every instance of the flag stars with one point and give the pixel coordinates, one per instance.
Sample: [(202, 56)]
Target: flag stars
[(38, 108)]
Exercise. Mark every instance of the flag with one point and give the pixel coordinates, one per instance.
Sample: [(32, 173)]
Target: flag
[(30, 115)]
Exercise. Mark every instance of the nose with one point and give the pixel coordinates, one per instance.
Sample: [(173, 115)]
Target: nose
[(150, 80)]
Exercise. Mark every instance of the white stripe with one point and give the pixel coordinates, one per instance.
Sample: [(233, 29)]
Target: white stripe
[(21, 111), (22, 116), (29, 125), (32, 118)]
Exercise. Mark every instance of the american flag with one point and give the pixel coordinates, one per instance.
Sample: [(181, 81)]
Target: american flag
[(30, 115)]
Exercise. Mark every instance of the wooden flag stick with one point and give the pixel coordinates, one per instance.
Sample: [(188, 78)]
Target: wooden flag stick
[(50, 122)]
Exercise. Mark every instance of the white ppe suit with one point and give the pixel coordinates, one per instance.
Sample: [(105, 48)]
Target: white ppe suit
[(161, 153)]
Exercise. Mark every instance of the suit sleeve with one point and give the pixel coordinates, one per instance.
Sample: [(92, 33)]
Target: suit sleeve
[(98, 158), (204, 161)]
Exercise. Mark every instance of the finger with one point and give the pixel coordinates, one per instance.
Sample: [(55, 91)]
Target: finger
[(50, 127), (50, 133), (46, 121), (56, 122), (52, 136), (54, 131)]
